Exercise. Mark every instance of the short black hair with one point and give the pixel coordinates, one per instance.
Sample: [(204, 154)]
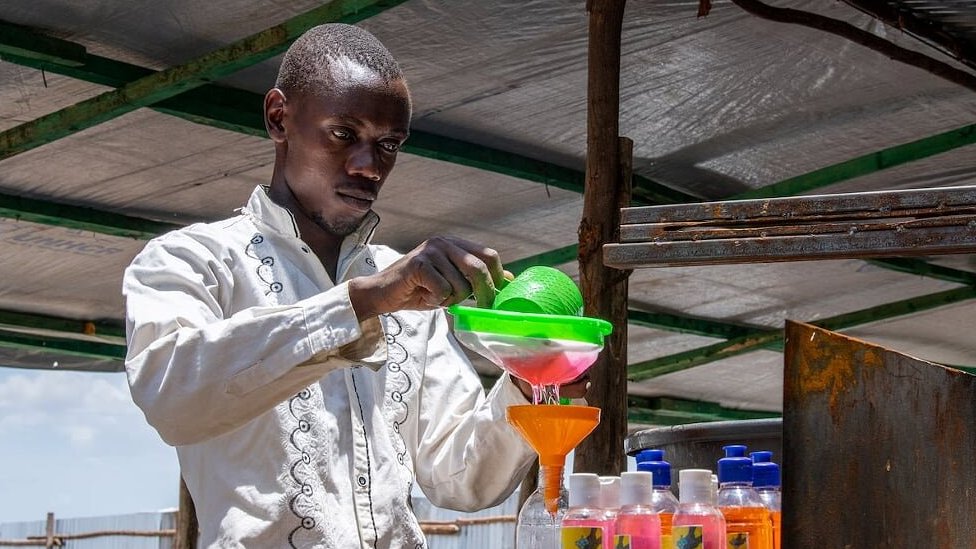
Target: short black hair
[(306, 65)]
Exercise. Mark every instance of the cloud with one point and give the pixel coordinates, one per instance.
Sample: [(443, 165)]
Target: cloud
[(77, 405)]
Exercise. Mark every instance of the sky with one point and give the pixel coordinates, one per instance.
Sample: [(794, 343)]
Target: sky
[(73, 443)]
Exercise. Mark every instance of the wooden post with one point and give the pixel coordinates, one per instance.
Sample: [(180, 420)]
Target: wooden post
[(187, 527), (607, 190), (49, 531)]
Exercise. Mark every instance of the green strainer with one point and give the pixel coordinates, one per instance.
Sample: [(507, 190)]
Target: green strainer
[(541, 290)]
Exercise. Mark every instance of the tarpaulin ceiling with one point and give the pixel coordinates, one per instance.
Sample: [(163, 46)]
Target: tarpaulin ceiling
[(716, 106)]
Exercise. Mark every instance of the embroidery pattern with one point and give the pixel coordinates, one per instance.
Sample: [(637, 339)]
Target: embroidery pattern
[(264, 270), (300, 504), (400, 383)]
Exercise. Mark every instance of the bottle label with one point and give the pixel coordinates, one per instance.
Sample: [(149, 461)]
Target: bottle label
[(737, 540), (687, 537), (581, 537), (666, 541), (621, 541)]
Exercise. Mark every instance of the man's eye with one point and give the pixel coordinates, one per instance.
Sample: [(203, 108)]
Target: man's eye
[(390, 146), (344, 135)]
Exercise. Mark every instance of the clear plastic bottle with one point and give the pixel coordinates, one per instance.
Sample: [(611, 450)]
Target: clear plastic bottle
[(663, 501), (610, 501), (766, 481), (585, 524), (536, 527), (637, 522), (747, 521), (697, 524)]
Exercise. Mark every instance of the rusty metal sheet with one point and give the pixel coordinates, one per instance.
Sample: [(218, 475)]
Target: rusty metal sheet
[(878, 446)]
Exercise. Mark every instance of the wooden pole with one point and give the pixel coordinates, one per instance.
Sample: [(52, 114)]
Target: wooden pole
[(49, 531), (187, 527), (607, 190)]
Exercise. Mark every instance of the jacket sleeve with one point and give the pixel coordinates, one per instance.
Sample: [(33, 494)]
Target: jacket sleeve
[(197, 373), (468, 456)]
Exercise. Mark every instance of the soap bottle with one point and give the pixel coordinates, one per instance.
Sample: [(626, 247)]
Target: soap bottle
[(766, 481), (638, 525), (747, 521), (663, 501), (584, 524), (697, 523)]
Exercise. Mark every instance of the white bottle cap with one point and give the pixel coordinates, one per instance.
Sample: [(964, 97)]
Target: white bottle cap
[(636, 488), (695, 486), (610, 492), (584, 490)]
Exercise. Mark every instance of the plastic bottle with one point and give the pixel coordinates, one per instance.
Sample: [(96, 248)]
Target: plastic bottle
[(585, 524), (697, 523), (714, 489), (536, 527), (663, 501), (747, 521), (610, 501), (766, 481), (638, 525)]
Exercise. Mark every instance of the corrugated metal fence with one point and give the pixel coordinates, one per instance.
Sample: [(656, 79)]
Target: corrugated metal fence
[(132, 531), (492, 528)]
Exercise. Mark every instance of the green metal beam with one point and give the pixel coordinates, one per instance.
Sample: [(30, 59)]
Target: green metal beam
[(62, 346), (678, 411), (58, 214), (100, 327), (23, 41), (550, 258), (924, 268), (153, 88), (687, 325), (868, 163), (762, 338)]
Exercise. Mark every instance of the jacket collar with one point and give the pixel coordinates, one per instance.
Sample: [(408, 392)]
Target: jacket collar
[(268, 213)]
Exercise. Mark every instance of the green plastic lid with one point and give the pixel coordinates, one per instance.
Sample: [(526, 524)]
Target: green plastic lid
[(541, 326)]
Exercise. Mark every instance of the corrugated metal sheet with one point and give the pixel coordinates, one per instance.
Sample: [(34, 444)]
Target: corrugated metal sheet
[(496, 535), (142, 522), (490, 528)]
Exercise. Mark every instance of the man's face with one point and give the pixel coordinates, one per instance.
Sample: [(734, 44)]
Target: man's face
[(341, 146)]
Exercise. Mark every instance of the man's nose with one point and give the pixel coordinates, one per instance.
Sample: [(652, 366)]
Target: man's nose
[(364, 161)]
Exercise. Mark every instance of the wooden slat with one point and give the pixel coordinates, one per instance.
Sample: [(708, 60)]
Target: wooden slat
[(879, 243), (887, 203), (857, 225), (659, 232)]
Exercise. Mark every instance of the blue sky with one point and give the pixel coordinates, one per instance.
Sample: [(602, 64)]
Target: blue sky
[(74, 444)]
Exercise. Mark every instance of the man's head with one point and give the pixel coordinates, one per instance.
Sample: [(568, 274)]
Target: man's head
[(338, 114)]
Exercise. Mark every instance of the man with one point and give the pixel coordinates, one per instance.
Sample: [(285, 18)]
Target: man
[(306, 377)]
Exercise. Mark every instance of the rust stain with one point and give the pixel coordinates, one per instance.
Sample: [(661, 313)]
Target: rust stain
[(829, 369)]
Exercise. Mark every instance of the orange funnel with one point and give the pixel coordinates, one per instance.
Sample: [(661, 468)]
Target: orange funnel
[(553, 431)]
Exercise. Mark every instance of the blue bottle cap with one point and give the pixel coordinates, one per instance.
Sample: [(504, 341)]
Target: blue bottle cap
[(653, 462), (765, 473), (735, 466)]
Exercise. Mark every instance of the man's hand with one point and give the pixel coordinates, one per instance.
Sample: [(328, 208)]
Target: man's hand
[(440, 272)]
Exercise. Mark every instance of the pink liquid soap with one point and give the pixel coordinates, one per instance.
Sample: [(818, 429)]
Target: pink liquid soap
[(644, 530), (553, 368)]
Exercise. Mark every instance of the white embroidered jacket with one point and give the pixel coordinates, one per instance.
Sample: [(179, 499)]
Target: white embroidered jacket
[(295, 425)]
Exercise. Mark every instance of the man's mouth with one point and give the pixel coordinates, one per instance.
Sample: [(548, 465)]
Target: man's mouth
[(359, 200)]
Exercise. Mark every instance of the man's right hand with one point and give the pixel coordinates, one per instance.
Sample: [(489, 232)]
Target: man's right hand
[(440, 272)]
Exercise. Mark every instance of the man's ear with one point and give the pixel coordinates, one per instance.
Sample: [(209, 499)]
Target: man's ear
[(274, 114)]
